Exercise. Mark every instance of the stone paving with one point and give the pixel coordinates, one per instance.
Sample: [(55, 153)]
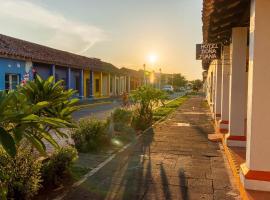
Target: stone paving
[(173, 161)]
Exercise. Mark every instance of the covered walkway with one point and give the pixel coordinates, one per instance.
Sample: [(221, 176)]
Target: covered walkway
[(175, 160)]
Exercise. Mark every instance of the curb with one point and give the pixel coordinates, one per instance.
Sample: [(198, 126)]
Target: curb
[(94, 104), (234, 169)]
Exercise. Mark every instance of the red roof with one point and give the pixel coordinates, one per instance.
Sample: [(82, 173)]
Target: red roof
[(21, 49)]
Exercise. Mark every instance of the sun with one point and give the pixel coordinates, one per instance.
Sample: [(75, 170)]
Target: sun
[(152, 58)]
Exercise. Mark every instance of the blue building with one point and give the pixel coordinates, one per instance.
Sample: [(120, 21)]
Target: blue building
[(21, 61)]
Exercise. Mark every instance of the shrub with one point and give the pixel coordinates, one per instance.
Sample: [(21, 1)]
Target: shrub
[(58, 165), (20, 176), (32, 112), (90, 135), (146, 97), (121, 119), (121, 115)]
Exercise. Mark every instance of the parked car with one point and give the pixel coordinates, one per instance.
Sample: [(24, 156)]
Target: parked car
[(168, 88)]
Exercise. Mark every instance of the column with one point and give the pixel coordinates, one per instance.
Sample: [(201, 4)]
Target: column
[(217, 104), (81, 83), (109, 84), (101, 85), (238, 89), (91, 78), (53, 72), (69, 78), (125, 83), (115, 86), (128, 84), (225, 89), (255, 172)]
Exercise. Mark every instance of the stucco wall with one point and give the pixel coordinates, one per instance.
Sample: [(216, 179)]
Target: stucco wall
[(10, 66), (97, 77), (61, 74), (105, 84)]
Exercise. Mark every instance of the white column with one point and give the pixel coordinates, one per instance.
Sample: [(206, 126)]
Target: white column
[(109, 84), (238, 91), (218, 75), (128, 84), (115, 86), (225, 88), (125, 83), (255, 173)]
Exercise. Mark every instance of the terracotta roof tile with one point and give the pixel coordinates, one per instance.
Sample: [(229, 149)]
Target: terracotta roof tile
[(13, 47)]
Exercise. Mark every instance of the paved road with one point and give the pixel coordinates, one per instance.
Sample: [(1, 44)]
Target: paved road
[(103, 111), (99, 111), (173, 161)]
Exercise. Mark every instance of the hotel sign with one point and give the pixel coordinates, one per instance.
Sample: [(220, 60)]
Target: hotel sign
[(208, 51)]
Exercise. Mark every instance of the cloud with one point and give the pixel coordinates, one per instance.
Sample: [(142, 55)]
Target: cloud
[(67, 34)]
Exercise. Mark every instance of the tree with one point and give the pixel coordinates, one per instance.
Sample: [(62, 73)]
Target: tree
[(196, 84), (146, 97), (177, 80), (32, 112)]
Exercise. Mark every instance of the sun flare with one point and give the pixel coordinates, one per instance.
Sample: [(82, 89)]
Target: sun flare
[(152, 58)]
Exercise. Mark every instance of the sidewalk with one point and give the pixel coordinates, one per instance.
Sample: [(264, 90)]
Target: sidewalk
[(173, 161)]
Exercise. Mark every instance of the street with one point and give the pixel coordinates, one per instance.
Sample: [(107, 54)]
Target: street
[(100, 112)]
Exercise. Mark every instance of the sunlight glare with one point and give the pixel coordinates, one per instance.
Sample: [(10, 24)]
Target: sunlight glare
[(152, 58)]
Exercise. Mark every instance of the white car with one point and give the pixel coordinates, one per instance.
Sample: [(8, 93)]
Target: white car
[(168, 88)]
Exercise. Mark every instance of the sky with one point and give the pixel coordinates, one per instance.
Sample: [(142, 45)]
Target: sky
[(123, 32)]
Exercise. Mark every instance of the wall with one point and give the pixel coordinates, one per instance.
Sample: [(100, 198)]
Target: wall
[(97, 77), (105, 84), (43, 70), (61, 74), (86, 76), (11, 66), (75, 74)]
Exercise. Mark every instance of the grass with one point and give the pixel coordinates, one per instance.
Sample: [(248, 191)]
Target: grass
[(168, 108)]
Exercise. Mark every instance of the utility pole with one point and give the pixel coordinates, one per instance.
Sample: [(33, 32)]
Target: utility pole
[(144, 79)]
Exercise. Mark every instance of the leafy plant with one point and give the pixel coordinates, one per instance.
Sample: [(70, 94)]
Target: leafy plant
[(58, 165), (146, 97), (121, 118), (121, 115), (20, 175), (33, 112), (90, 135)]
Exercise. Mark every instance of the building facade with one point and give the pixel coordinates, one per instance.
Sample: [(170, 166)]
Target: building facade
[(236, 84), (90, 77)]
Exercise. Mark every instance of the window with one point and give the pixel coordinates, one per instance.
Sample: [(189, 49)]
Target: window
[(97, 85), (11, 81)]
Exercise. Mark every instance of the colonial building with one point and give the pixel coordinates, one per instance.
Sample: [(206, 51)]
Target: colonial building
[(236, 84), (21, 60)]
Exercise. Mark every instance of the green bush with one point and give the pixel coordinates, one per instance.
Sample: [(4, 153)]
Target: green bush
[(121, 119), (121, 115), (57, 167), (140, 122), (146, 98), (90, 135), (20, 176)]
